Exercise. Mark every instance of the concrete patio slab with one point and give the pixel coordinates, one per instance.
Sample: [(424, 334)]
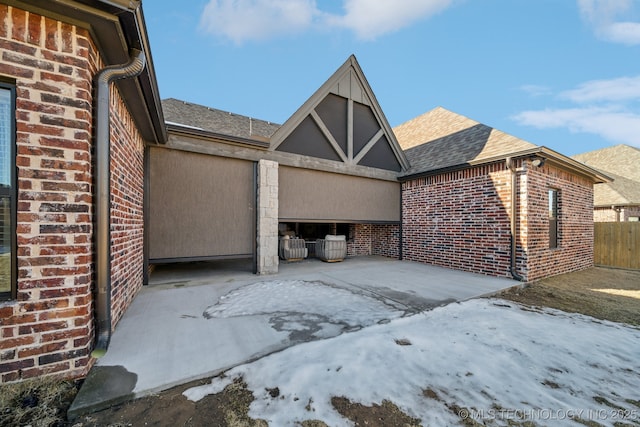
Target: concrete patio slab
[(164, 338)]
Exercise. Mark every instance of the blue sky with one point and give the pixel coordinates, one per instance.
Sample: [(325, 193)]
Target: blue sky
[(559, 73)]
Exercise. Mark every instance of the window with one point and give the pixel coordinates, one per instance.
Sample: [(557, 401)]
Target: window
[(7, 192), (553, 218), (634, 219)]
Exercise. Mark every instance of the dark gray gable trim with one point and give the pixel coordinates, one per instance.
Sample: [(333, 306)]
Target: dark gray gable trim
[(349, 83)]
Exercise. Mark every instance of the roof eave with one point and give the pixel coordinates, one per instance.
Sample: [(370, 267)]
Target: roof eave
[(616, 205), (575, 166), (188, 131), (550, 155), (117, 27)]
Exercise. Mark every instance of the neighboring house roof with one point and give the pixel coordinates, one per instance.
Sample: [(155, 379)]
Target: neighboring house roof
[(184, 114), (441, 139), (621, 163)]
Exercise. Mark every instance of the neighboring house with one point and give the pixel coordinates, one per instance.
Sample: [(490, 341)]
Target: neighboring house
[(95, 185), (72, 214), (481, 200), (618, 200)]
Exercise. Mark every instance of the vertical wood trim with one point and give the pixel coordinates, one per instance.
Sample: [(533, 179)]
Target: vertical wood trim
[(146, 217), (350, 130), (254, 232)]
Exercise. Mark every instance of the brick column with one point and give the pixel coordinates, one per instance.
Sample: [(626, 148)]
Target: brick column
[(267, 238), (48, 328)]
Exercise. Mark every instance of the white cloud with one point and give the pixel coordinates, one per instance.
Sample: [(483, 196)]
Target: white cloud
[(607, 108), (242, 20), (536, 90), (602, 16), (372, 18), (610, 123), (245, 20), (623, 32), (620, 89)]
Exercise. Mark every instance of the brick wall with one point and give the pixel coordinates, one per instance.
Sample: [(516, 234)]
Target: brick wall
[(459, 220), (631, 211), (360, 242), (613, 215), (49, 328), (575, 222), (605, 215), (385, 240), (374, 239), (127, 203)]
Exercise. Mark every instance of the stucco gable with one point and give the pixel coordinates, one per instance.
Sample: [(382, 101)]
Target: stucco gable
[(342, 122)]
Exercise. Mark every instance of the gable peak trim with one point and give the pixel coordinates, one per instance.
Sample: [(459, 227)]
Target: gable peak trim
[(348, 82)]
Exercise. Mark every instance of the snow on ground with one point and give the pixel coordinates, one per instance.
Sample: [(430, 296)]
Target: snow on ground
[(300, 307), (497, 361)]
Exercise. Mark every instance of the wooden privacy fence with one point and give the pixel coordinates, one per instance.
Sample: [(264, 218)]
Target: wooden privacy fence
[(617, 244)]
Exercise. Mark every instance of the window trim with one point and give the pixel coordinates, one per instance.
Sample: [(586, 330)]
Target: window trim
[(554, 221), (12, 194)]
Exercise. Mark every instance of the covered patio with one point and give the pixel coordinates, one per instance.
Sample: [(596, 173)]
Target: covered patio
[(198, 320)]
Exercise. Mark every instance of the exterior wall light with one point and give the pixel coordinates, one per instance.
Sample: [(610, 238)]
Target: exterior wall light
[(538, 161)]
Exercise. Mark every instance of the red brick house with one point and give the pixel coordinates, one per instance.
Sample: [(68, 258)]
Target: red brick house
[(618, 200), (72, 158), (480, 200), (92, 179)]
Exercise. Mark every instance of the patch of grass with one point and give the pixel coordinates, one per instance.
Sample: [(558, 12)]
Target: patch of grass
[(313, 423), (551, 384), (465, 415), (431, 394), (385, 414), (587, 423), (38, 402), (601, 400), (633, 402), (235, 399), (577, 292)]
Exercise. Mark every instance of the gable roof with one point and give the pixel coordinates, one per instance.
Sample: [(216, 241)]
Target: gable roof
[(621, 163), (440, 139), (182, 114), (342, 121), (622, 160)]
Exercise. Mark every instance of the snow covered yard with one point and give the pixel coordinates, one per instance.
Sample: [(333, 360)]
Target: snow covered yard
[(488, 361)]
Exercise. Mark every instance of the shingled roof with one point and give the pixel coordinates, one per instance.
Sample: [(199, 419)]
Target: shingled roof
[(185, 114), (441, 139), (621, 163)]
